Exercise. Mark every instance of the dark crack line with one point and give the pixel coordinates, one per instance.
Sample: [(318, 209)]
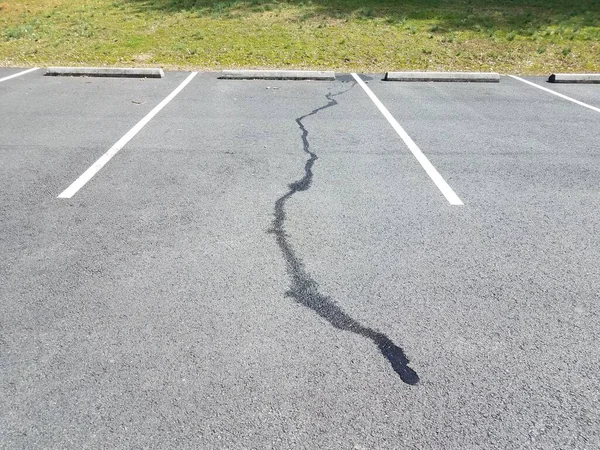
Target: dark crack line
[(304, 289)]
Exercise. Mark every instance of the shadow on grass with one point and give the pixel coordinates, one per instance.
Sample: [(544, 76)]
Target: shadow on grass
[(523, 17)]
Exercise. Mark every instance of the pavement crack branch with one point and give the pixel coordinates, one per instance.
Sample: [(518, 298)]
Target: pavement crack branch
[(304, 289)]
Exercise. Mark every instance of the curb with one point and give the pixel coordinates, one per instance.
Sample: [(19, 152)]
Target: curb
[(574, 78), (458, 77), (103, 72), (277, 75)]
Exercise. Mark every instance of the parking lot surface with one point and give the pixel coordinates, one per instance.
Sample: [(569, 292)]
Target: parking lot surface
[(266, 264)]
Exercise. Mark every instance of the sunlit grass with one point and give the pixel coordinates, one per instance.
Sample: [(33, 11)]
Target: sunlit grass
[(518, 36)]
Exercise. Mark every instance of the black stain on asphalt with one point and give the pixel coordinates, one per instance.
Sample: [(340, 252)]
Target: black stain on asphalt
[(304, 289)]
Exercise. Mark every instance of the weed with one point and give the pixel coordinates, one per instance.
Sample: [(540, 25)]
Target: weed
[(18, 32), (365, 13), (83, 29), (411, 29), (217, 10)]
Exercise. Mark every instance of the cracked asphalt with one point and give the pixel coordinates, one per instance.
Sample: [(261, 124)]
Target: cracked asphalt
[(266, 265)]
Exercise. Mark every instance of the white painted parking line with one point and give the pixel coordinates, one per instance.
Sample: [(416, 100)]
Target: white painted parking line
[(585, 105), (15, 75), (95, 168), (416, 151)]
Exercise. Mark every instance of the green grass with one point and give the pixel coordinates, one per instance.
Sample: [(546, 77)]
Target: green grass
[(515, 36)]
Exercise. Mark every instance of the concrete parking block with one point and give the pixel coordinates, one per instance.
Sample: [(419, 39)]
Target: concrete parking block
[(574, 78), (277, 75), (120, 72), (481, 77)]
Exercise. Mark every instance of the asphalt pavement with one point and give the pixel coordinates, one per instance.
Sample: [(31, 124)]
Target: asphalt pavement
[(266, 264)]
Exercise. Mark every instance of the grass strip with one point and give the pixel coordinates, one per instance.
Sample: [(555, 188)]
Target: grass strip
[(508, 36)]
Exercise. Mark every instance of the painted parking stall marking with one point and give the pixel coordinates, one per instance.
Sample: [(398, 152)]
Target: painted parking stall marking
[(435, 176), (15, 75), (585, 105), (104, 159)]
